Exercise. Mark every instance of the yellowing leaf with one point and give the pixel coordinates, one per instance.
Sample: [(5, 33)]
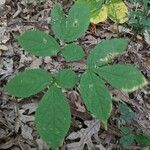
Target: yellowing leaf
[(95, 8), (101, 17), (117, 11)]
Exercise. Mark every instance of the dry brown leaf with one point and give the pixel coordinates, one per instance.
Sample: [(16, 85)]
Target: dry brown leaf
[(7, 68), (85, 136), (146, 64), (42, 145), (75, 99), (26, 131), (25, 118), (31, 107), (2, 2), (4, 36), (120, 95), (18, 11), (8, 144), (147, 37), (36, 63)]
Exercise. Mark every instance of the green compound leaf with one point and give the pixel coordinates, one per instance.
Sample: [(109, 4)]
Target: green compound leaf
[(143, 139), (105, 51), (127, 140), (58, 21), (39, 43), (77, 21), (96, 96), (66, 78), (53, 117), (122, 76), (29, 83), (73, 52)]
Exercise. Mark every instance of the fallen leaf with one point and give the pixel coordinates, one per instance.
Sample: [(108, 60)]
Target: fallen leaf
[(42, 145), (147, 37), (36, 63), (85, 136), (31, 107), (117, 11), (25, 118), (146, 63), (3, 47), (18, 11), (26, 131), (7, 68), (4, 36), (7, 145), (2, 2)]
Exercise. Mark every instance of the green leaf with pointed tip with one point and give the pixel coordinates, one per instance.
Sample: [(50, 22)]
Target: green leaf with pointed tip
[(94, 5), (39, 43), (95, 96), (58, 21), (143, 139), (73, 52), (66, 78), (29, 82), (77, 21), (53, 117), (122, 76), (105, 51)]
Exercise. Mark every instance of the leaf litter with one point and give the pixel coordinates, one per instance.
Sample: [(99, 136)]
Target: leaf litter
[(17, 129), (85, 136)]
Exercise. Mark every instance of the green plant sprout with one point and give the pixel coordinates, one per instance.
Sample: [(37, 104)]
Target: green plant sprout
[(140, 17), (128, 135), (53, 116)]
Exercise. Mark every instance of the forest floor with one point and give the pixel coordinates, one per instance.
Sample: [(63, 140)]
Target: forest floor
[(17, 128)]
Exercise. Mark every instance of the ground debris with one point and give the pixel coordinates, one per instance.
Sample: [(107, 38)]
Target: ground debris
[(17, 127)]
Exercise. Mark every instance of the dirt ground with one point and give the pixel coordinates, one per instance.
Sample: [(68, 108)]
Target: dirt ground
[(17, 128)]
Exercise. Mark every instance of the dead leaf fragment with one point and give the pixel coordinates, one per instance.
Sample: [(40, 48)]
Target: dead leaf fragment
[(4, 36), (8, 144), (17, 12), (85, 136), (26, 132), (3, 47), (2, 2), (146, 64), (42, 145), (147, 37)]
